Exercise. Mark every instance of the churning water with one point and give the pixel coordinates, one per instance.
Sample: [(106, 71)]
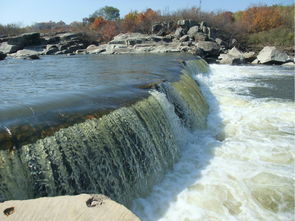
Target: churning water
[(242, 166)]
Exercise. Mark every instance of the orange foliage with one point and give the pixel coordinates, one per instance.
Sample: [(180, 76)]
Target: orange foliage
[(107, 29), (141, 22), (98, 21), (262, 18)]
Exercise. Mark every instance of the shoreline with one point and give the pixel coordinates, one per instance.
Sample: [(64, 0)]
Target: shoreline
[(189, 37)]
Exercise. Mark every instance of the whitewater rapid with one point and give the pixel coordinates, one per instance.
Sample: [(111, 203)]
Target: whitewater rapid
[(242, 166)]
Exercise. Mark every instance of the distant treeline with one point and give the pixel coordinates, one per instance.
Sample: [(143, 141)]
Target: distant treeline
[(256, 26)]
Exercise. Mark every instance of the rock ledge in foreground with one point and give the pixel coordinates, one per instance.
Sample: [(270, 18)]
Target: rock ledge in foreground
[(81, 207)]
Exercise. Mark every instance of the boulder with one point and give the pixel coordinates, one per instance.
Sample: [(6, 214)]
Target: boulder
[(2, 56), (271, 55), (86, 207), (193, 31), (183, 23), (93, 49), (290, 64), (52, 40), (9, 48), (32, 57), (25, 53), (158, 29), (200, 37), (186, 24), (228, 59), (235, 56), (31, 38), (209, 48), (219, 41), (51, 49), (249, 56), (235, 52), (179, 32), (70, 36), (184, 38)]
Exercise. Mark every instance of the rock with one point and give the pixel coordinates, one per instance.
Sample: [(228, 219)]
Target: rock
[(186, 24), (16, 43), (32, 57), (162, 28), (158, 29), (184, 38), (93, 49), (235, 56), (2, 56), (255, 61), (183, 23), (84, 207), (25, 53), (219, 41), (271, 55), (200, 37), (31, 38), (70, 36), (52, 40), (290, 64), (179, 33), (249, 56), (209, 48), (51, 49), (202, 25), (228, 59), (193, 31), (235, 52), (8, 48), (233, 43)]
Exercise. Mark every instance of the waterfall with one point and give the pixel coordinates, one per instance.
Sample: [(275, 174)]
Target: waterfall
[(121, 154)]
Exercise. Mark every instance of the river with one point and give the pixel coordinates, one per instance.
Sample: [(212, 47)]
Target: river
[(136, 128), (242, 166)]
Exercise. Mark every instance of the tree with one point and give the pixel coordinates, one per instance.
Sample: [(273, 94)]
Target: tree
[(107, 12)]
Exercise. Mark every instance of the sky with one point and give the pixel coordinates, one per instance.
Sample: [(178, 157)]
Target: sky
[(27, 12)]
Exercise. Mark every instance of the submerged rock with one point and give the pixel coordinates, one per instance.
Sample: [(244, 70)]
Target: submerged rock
[(2, 56)]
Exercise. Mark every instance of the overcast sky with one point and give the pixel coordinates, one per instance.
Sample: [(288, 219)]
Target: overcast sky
[(27, 12)]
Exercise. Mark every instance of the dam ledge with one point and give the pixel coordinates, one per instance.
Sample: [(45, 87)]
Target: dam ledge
[(120, 153)]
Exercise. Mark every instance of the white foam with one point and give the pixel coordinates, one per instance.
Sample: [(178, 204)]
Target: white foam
[(241, 168)]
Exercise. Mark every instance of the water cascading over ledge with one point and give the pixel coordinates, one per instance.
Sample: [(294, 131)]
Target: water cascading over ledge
[(121, 154)]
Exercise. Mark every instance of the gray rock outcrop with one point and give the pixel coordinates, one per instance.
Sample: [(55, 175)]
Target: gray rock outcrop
[(271, 55)]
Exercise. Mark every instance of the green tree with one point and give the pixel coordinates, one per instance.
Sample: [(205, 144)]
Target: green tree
[(107, 12)]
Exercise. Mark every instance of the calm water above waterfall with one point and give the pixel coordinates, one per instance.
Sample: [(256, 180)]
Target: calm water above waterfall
[(80, 83), (242, 167), (203, 144)]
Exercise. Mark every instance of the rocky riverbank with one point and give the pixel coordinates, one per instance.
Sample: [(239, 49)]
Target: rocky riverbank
[(81, 207), (186, 37)]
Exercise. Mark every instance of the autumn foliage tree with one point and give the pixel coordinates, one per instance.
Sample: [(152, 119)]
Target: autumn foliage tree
[(105, 28), (139, 22), (261, 18)]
